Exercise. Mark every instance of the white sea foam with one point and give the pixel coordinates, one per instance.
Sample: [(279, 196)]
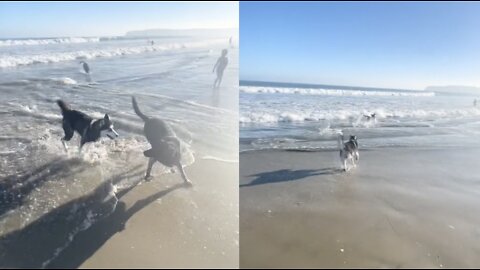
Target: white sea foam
[(328, 131), (47, 41), (220, 159), (65, 80), (44, 58), (285, 116), (330, 92)]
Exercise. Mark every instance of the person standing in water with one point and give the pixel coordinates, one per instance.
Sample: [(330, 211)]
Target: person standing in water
[(475, 103), (220, 66)]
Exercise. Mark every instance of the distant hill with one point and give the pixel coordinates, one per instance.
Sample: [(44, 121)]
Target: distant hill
[(455, 89), (221, 32)]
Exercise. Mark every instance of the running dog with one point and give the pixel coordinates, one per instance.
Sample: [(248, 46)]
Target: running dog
[(165, 145), (348, 151), (370, 117), (90, 130)]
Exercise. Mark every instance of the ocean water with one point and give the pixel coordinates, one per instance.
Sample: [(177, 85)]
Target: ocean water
[(171, 79), (311, 117)]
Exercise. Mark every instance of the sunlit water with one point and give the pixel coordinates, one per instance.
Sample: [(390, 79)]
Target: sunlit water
[(311, 117)]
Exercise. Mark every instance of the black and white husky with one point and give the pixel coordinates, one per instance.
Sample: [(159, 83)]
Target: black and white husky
[(348, 151), (90, 130), (166, 148)]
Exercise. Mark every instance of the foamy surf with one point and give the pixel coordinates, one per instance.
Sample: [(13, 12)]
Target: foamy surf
[(47, 41), (332, 92), (220, 159), (65, 80), (7, 60), (289, 117), (356, 117)]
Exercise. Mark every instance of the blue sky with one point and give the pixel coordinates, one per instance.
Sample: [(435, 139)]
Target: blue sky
[(396, 45), (53, 19)]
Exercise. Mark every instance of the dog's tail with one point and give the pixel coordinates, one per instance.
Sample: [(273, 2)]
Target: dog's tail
[(63, 106), (340, 141), (137, 110)]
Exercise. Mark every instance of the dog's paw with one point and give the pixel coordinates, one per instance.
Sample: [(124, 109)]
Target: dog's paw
[(148, 178), (188, 183)]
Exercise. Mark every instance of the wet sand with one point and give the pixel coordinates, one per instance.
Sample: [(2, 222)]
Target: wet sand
[(401, 208), (156, 224), (183, 227)]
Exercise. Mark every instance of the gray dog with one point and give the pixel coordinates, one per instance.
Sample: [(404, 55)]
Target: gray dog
[(165, 145)]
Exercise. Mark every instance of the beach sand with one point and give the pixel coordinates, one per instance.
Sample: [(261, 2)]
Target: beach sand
[(184, 227), (155, 224), (400, 208)]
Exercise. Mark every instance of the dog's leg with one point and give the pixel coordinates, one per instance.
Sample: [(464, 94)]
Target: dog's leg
[(82, 144), (184, 176), (65, 145), (349, 162), (67, 129), (148, 175), (352, 158), (344, 161), (83, 141)]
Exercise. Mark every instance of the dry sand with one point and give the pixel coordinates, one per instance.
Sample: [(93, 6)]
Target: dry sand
[(400, 208)]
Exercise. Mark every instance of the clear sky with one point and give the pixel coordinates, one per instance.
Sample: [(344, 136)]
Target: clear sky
[(393, 45), (54, 19)]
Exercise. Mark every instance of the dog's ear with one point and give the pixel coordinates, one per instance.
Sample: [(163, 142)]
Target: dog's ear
[(106, 117)]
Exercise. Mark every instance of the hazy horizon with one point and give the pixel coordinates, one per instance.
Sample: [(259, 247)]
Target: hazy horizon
[(93, 19), (124, 34), (477, 88)]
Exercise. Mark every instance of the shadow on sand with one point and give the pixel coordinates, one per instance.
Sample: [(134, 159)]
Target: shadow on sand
[(287, 175), (71, 233), (16, 187)]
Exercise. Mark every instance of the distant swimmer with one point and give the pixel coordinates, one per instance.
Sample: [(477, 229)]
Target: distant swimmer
[(475, 103), (153, 43), (86, 68), (220, 66)]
